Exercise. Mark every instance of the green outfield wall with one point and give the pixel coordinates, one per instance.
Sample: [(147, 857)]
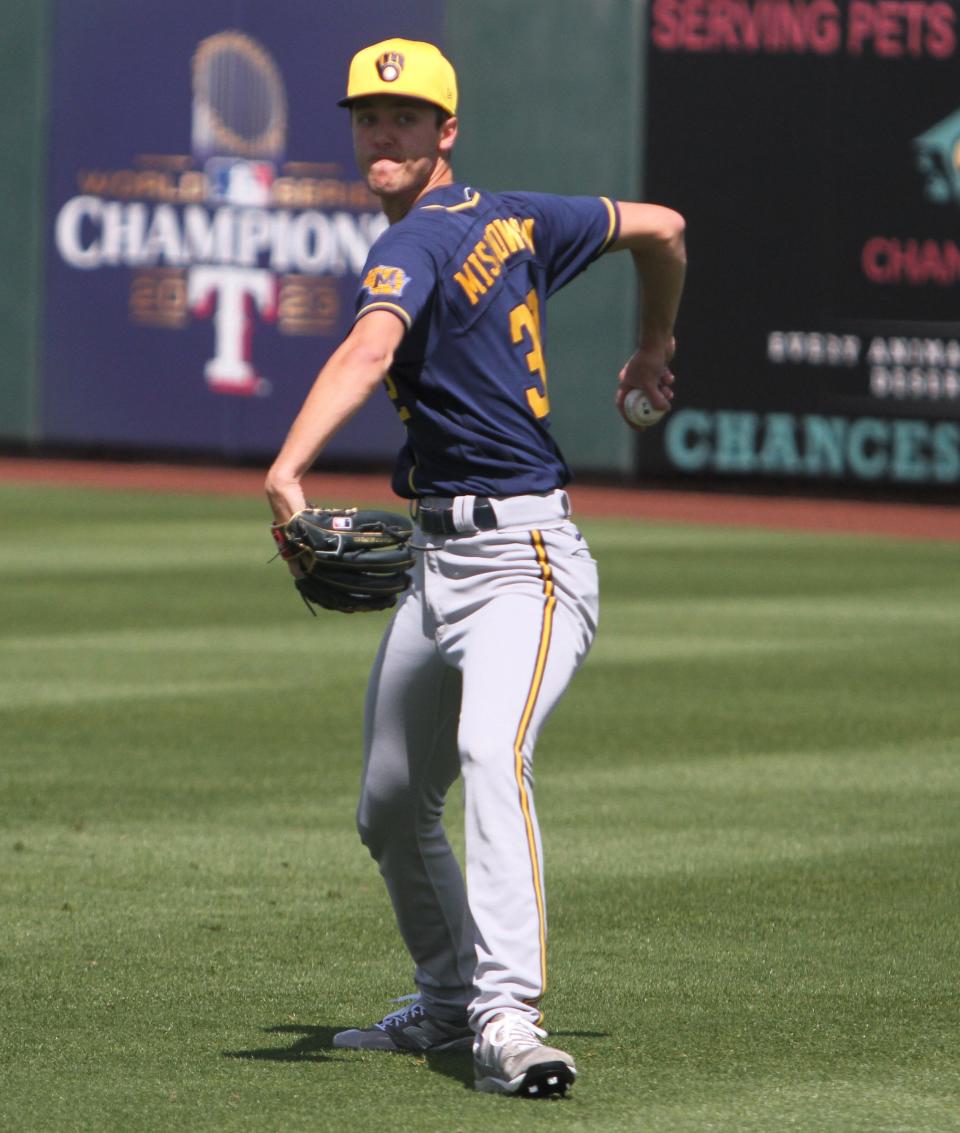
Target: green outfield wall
[(24, 26), (550, 100)]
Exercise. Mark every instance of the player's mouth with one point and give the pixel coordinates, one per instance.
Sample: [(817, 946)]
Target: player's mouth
[(385, 172)]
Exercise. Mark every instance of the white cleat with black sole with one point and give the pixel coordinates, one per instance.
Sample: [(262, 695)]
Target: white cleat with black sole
[(510, 1057)]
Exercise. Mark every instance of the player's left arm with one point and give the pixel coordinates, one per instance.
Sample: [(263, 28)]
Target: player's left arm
[(345, 383), (654, 236)]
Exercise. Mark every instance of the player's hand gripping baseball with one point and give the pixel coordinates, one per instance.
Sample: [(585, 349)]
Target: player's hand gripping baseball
[(647, 370)]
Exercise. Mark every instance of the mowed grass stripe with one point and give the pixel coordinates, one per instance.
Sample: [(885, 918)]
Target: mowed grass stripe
[(750, 803), (199, 639), (38, 693), (897, 608), (57, 668)]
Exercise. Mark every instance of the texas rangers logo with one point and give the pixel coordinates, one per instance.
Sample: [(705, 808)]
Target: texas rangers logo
[(385, 280), (389, 66)]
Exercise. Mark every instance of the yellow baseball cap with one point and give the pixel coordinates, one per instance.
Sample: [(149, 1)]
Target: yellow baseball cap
[(405, 67)]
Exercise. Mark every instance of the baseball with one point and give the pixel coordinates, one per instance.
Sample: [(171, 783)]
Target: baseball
[(638, 410)]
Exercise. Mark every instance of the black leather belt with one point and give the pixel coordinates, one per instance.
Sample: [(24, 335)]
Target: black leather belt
[(439, 520)]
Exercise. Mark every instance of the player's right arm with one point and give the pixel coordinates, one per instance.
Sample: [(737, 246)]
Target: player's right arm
[(345, 383), (654, 236)]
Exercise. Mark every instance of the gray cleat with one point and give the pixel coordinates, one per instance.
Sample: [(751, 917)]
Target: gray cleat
[(410, 1028)]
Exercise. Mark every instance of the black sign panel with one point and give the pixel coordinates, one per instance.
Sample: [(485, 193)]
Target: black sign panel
[(814, 148)]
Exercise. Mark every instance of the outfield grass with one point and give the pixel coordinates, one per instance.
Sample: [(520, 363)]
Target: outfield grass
[(750, 801)]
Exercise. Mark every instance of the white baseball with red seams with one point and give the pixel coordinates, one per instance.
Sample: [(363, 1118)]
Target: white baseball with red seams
[(638, 410)]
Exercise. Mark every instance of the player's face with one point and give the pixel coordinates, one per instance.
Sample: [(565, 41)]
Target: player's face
[(398, 143)]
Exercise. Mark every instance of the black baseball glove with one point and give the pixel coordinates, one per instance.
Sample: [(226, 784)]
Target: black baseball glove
[(351, 560)]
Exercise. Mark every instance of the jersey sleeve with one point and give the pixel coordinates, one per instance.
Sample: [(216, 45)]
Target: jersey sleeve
[(399, 276), (573, 232)]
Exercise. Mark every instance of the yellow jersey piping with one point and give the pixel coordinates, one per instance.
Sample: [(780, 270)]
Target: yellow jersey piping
[(614, 216), (381, 306), (474, 200)]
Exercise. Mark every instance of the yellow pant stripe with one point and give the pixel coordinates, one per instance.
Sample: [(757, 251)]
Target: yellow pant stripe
[(535, 685)]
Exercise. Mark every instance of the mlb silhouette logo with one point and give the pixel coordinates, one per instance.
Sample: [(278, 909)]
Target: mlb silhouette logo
[(342, 523), (235, 181)]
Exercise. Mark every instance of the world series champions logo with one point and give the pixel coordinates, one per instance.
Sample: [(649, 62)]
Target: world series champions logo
[(234, 232)]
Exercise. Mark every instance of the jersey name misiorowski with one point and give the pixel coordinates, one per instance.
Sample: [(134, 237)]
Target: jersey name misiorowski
[(469, 273)]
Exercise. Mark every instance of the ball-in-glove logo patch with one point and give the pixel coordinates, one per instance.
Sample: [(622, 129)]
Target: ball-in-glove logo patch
[(389, 66)]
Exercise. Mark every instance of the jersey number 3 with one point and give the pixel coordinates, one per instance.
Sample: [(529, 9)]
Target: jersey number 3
[(394, 395), (525, 321)]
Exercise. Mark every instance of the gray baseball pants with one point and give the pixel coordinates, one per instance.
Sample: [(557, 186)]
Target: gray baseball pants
[(478, 653)]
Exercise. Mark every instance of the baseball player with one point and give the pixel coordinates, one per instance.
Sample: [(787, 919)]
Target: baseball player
[(451, 318)]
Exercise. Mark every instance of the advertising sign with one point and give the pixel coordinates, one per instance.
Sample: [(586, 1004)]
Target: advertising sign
[(206, 222), (814, 147)]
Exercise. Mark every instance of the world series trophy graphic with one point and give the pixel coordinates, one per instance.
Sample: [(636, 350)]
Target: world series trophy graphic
[(238, 135), (233, 234)]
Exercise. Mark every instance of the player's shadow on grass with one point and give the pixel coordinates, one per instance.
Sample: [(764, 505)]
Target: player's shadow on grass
[(455, 1064), (308, 1047), (313, 1041)]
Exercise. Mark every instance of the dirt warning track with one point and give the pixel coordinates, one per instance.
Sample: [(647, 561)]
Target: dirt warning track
[(897, 520)]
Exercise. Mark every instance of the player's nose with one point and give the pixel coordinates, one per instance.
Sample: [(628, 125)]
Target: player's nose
[(382, 134)]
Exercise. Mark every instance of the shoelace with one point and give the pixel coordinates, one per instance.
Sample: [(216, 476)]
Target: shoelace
[(517, 1031), (404, 1015)]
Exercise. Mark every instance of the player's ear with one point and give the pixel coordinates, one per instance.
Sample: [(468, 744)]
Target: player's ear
[(448, 135)]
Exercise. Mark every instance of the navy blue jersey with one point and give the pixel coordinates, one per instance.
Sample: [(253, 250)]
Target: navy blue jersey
[(469, 273)]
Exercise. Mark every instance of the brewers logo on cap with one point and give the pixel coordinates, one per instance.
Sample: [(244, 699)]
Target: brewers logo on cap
[(389, 66)]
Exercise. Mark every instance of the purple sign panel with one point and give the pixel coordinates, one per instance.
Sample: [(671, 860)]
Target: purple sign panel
[(206, 221)]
